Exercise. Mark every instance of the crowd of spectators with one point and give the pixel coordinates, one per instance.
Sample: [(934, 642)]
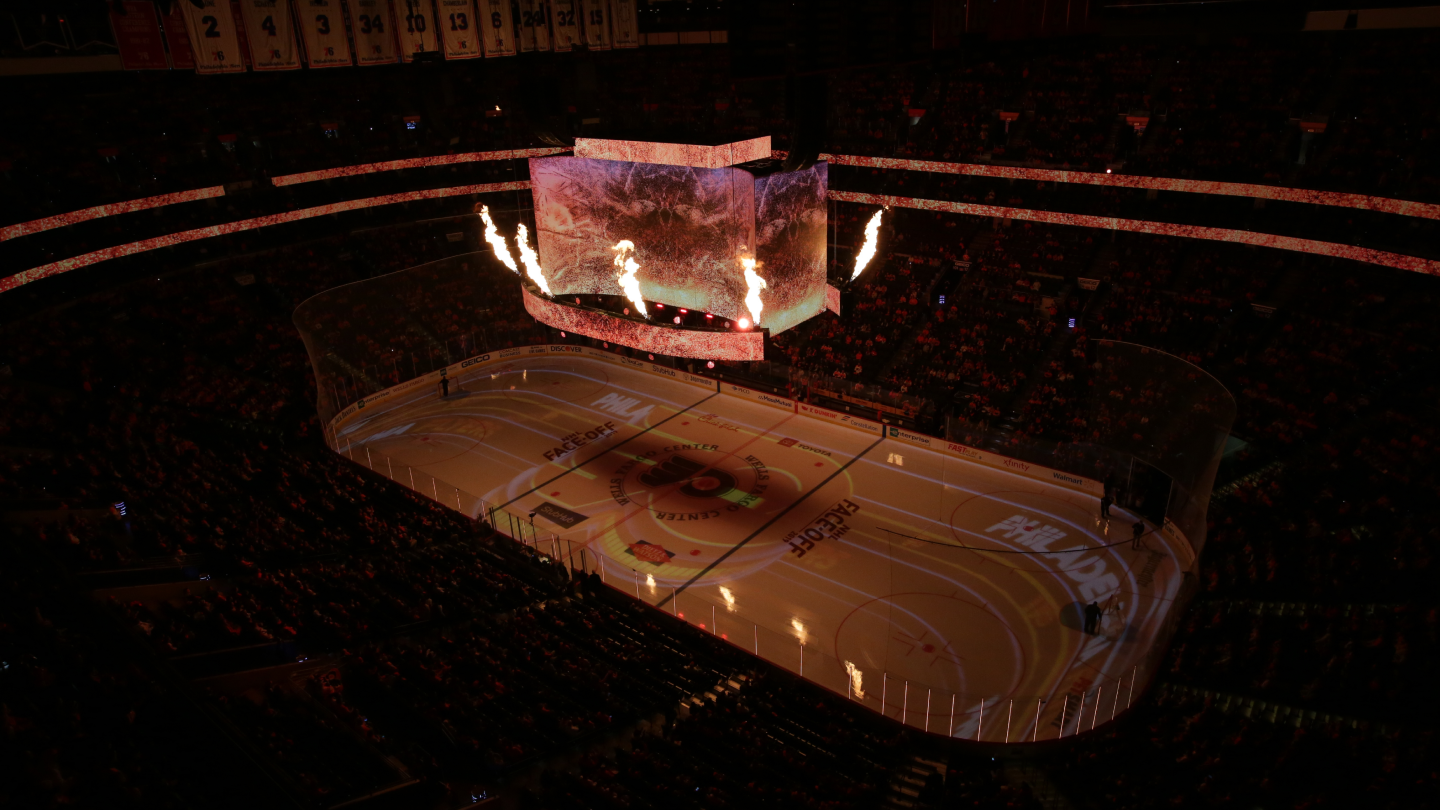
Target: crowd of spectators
[(762, 741), (1184, 750), (444, 653), (168, 423)]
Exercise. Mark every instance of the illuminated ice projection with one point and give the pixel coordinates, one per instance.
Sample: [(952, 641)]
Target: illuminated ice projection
[(691, 229)]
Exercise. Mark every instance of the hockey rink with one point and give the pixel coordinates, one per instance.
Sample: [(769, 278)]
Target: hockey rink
[(868, 561)]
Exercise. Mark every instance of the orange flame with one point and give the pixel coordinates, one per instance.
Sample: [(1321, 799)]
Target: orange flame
[(857, 678), (756, 284), (492, 235), (867, 251), (625, 260), (530, 260)]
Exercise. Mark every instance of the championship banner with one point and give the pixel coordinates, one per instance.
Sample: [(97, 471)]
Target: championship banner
[(415, 28), (534, 26), (498, 26), (137, 34), (271, 34), (564, 29), (596, 14), (322, 25), (213, 35), (625, 24), (457, 28), (372, 24), (177, 37)]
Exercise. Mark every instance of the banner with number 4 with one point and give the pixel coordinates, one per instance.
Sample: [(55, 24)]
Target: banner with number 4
[(270, 34)]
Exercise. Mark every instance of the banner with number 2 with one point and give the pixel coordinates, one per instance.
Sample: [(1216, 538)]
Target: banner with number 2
[(213, 37)]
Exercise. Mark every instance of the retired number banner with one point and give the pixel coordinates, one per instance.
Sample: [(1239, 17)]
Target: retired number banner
[(213, 37), (624, 24), (177, 36), (458, 29), (271, 34), (564, 30), (322, 24), (137, 34), (416, 28), (373, 27), (534, 26), (596, 15), (499, 27)]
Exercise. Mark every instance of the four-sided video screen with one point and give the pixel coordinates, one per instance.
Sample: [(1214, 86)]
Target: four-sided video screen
[(691, 228)]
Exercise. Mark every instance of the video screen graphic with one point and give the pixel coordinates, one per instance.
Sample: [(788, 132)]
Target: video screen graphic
[(691, 228)]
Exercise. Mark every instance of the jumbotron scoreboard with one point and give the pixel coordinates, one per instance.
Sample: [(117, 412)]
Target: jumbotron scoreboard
[(668, 231)]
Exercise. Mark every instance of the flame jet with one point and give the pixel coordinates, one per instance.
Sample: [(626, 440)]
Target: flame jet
[(625, 260), (867, 251), (756, 284), (530, 260), (492, 235)]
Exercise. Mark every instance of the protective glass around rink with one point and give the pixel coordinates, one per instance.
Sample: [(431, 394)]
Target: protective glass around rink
[(947, 594)]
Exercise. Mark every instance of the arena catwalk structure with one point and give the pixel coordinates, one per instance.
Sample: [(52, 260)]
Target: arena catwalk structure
[(943, 581)]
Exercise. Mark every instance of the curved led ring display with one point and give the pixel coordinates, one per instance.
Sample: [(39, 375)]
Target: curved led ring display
[(676, 341)]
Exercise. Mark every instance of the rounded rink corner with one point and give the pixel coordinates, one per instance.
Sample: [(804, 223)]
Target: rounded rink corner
[(942, 585)]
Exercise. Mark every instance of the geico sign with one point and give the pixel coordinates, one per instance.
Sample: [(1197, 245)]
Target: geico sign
[(472, 361)]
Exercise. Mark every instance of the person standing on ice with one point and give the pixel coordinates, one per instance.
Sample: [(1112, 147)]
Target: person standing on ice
[(1092, 618)]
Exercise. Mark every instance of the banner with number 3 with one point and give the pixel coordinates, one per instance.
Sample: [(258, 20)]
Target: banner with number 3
[(322, 25)]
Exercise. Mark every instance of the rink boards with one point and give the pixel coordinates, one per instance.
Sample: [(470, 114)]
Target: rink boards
[(779, 524)]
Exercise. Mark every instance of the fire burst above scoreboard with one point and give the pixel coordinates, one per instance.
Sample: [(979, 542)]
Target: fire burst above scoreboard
[(714, 229)]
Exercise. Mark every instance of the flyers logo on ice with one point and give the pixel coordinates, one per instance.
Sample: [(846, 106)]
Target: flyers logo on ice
[(626, 408), (677, 468), (720, 482)]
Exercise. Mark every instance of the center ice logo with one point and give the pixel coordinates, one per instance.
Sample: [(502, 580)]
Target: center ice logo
[(712, 484)]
